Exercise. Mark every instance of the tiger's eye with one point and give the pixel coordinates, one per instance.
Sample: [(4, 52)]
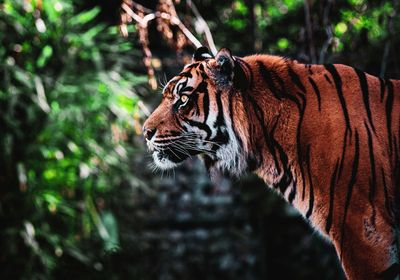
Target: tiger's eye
[(184, 98)]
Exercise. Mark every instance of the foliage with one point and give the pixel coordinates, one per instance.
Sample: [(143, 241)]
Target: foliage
[(66, 120), (342, 31)]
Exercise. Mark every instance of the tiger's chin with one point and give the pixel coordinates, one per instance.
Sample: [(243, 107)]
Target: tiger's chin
[(164, 163), (170, 158)]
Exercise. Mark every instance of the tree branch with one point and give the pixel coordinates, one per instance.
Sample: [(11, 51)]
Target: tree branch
[(143, 22), (204, 26), (309, 31), (329, 33), (386, 49)]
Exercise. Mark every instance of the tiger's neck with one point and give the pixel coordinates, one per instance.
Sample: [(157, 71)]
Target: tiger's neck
[(274, 105)]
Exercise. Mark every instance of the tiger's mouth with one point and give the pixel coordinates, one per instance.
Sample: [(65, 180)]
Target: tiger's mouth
[(170, 156)]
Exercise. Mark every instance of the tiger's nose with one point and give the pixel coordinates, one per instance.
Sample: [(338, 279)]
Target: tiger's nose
[(149, 132)]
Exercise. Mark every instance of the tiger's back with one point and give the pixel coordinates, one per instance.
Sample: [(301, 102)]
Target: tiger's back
[(349, 147), (349, 129), (347, 159)]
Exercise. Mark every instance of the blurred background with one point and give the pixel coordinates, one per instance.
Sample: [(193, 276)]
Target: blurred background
[(78, 198)]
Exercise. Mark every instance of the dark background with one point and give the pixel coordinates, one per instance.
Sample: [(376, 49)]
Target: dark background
[(78, 196)]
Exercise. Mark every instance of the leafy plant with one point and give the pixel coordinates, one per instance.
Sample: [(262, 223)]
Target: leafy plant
[(67, 108)]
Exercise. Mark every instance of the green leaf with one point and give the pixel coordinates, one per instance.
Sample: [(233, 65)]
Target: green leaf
[(241, 8), (46, 54), (340, 28), (110, 223), (84, 17), (238, 24), (283, 43)]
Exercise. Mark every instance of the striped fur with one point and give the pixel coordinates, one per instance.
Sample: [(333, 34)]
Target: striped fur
[(326, 137)]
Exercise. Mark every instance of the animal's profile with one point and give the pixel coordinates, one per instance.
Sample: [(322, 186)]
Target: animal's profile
[(326, 137)]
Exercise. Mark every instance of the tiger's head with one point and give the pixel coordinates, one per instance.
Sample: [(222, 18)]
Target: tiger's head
[(194, 116)]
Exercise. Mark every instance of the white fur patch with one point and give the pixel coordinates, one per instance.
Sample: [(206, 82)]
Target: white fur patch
[(163, 163), (229, 157)]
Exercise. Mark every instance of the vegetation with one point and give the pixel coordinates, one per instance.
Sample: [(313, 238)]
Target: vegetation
[(66, 117), (72, 98)]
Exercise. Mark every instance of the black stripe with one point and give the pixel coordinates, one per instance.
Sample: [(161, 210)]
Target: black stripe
[(388, 201), (298, 143), (267, 76), (308, 66), (256, 146), (301, 105), (208, 162), (382, 86), (352, 182), (396, 147), (365, 92), (249, 73), (195, 64), (287, 177), (396, 182), (171, 133), (389, 107), (327, 79), (292, 194), (259, 153), (187, 74), (220, 121), (206, 106), (317, 93), (396, 165), (283, 93), (186, 89), (338, 84), (284, 182), (296, 79), (166, 141), (195, 103), (231, 94), (201, 67), (331, 198), (240, 78), (260, 117), (202, 87), (372, 182), (199, 125), (222, 135), (311, 195), (270, 76), (180, 86)]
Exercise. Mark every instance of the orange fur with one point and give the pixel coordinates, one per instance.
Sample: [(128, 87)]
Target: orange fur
[(326, 137)]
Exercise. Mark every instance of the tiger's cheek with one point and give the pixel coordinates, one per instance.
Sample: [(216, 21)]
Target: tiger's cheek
[(194, 109), (192, 114), (193, 128)]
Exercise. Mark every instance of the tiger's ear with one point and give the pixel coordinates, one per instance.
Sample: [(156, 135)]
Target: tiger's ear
[(225, 62), (232, 68), (201, 54)]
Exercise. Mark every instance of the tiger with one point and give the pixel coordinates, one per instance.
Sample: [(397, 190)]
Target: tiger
[(325, 137)]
